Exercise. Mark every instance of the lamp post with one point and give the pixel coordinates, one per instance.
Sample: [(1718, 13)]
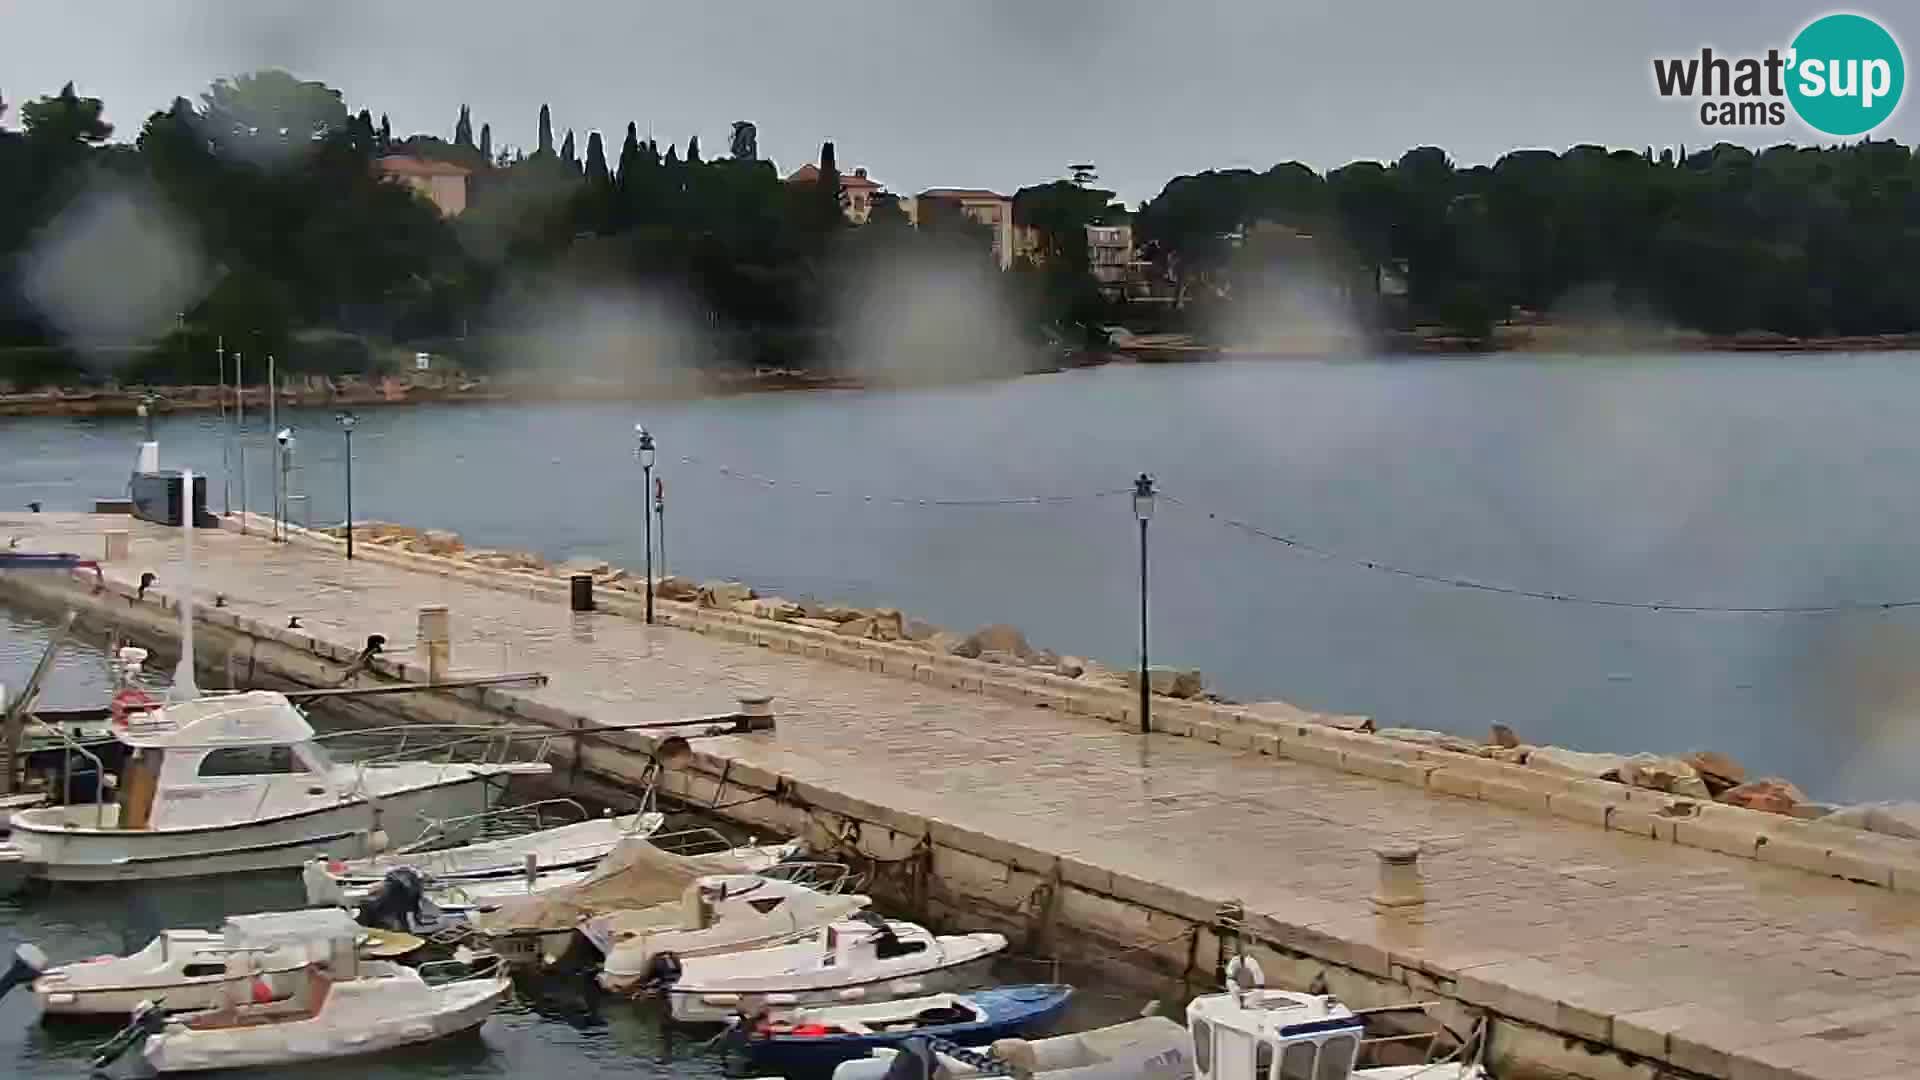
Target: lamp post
[(1143, 512), (644, 452), (347, 420)]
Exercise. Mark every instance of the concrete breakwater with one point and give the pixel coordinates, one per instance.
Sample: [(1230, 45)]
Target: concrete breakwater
[(1605, 933), (1699, 777)]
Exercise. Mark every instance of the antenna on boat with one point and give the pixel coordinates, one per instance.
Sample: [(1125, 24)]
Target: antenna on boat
[(183, 684)]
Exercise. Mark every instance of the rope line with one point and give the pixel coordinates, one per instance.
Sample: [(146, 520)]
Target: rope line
[(1470, 584), (900, 500)]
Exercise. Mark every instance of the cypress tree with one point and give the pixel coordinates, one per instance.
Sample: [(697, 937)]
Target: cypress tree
[(486, 142), (463, 129), (546, 131), (693, 150), (827, 188), (386, 131), (597, 161), (567, 155)]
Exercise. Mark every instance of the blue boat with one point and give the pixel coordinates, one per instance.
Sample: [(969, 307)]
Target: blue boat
[(817, 1039)]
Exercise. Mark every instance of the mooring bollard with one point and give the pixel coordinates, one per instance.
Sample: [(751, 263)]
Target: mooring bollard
[(582, 592), (435, 640), (116, 541), (1399, 884), (757, 710)]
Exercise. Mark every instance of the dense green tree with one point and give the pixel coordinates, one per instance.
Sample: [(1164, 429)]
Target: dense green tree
[(386, 132), (568, 155), (486, 143), (463, 129)]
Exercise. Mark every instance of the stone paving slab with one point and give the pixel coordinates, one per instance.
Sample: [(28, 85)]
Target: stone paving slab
[(1721, 965)]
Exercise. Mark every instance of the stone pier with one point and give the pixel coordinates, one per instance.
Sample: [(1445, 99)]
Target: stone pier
[(1608, 933)]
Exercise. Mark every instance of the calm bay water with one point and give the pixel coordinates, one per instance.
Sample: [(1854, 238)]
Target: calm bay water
[(1706, 480)]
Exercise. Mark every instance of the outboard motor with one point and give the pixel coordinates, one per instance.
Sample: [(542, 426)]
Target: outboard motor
[(399, 903), (147, 1020), (662, 971), (915, 1061), (29, 963)]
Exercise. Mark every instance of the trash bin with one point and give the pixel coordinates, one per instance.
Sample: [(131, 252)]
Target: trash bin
[(582, 592)]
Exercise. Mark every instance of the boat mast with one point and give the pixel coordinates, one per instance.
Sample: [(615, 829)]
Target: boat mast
[(183, 684)]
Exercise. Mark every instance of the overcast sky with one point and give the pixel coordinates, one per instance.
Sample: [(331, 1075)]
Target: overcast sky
[(987, 93)]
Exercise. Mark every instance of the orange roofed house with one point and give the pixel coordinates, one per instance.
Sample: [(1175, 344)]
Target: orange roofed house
[(858, 190), (442, 183)]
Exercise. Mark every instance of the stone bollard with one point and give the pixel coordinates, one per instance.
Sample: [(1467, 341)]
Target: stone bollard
[(117, 543), (434, 640), (1399, 884), (757, 710)]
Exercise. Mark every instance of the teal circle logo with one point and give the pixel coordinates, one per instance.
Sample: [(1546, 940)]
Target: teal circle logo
[(1846, 74)]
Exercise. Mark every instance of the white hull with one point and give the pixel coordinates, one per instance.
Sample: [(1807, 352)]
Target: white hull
[(566, 847), (713, 989), (79, 853), (1154, 1048), (357, 1020)]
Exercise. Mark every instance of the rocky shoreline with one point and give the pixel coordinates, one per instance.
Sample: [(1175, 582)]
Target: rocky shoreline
[(1702, 775)]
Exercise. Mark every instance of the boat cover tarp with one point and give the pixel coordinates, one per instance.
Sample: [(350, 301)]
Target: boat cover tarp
[(272, 928), (635, 874)]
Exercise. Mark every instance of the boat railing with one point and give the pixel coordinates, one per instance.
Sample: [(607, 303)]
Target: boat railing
[(694, 841), (471, 965), (830, 878), (73, 747), (500, 823), (448, 744)]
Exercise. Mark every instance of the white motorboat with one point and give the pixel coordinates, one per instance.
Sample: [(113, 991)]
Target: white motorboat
[(578, 845), (199, 969), (867, 958), (716, 914), (340, 1007), (1246, 1033), (540, 924), (236, 782)]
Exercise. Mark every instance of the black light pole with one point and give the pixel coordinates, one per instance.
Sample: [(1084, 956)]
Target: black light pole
[(347, 420), (645, 453), (1143, 511)]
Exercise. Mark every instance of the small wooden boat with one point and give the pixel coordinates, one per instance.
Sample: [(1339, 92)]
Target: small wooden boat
[(577, 845), (819, 1038), (867, 958), (199, 969)]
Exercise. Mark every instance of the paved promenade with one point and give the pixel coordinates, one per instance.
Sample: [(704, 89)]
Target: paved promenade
[(1720, 965)]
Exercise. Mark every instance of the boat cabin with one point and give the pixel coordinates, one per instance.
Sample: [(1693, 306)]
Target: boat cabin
[(862, 941), (1260, 1034), (219, 759)]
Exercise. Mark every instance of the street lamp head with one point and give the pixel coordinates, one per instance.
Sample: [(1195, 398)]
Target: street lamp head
[(1143, 497), (347, 420), (285, 436), (645, 450)]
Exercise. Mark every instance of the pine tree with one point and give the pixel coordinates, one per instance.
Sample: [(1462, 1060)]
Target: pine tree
[(546, 132), (463, 129), (486, 142), (597, 161), (568, 156), (745, 144), (693, 150)]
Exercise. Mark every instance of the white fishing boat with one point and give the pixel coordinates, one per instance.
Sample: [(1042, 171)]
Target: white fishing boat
[(867, 958), (235, 782), (1246, 1033), (341, 1007), (200, 969), (716, 914)]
